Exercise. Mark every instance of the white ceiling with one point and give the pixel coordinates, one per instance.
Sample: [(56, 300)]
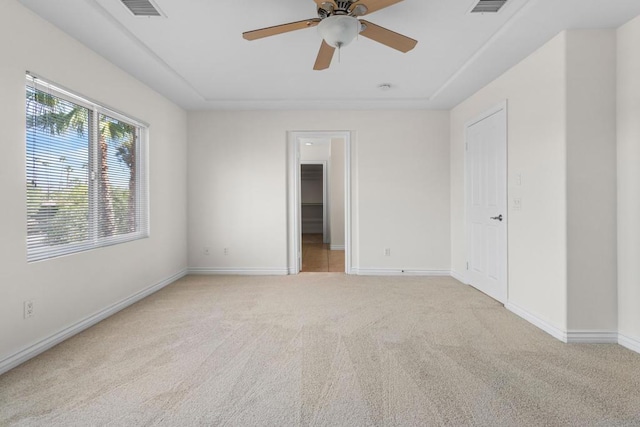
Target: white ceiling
[(196, 55)]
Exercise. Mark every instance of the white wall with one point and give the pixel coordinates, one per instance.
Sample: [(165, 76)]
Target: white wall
[(400, 168), (628, 115), (591, 181), (320, 151), (68, 289), (535, 90), (561, 164), (336, 194)]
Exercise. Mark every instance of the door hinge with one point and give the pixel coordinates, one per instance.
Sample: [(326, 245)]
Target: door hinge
[(467, 265), (466, 146)]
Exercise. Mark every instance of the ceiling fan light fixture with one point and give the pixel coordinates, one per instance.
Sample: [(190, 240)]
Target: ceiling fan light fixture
[(339, 30)]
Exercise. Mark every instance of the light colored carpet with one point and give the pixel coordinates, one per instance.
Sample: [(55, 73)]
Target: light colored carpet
[(321, 349)]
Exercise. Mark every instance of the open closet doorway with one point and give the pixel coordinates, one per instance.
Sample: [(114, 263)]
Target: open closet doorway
[(319, 206), (313, 202), (315, 210)]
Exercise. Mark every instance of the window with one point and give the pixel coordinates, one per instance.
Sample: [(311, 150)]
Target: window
[(86, 178)]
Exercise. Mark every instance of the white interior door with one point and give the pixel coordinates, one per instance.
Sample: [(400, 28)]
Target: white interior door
[(486, 145)]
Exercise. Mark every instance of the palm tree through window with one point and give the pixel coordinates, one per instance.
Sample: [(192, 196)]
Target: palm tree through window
[(85, 183)]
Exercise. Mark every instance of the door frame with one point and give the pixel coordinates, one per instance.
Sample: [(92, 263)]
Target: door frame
[(325, 197), (502, 106), (294, 225)]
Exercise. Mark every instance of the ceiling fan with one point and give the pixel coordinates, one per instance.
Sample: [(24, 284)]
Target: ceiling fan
[(338, 23)]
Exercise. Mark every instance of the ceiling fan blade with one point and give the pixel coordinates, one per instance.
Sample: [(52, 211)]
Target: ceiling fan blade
[(279, 29), (374, 5), (387, 37), (325, 55)]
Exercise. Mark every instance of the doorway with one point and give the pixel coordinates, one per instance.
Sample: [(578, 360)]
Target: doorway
[(319, 212), (315, 206), (313, 199), (486, 201)]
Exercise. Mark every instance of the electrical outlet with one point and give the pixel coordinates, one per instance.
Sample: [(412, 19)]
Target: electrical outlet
[(387, 252), (226, 251), (517, 204), (28, 309), (206, 251)]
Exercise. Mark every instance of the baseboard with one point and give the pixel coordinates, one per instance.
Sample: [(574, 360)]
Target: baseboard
[(630, 343), (398, 272), (220, 271), (45, 344), (459, 277), (336, 247), (548, 328), (592, 337)]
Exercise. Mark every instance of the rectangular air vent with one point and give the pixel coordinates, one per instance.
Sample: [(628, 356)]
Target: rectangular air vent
[(141, 7), (488, 6)]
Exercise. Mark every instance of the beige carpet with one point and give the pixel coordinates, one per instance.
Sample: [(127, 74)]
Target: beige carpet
[(323, 350)]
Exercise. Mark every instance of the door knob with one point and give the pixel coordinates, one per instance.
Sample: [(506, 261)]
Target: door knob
[(499, 217)]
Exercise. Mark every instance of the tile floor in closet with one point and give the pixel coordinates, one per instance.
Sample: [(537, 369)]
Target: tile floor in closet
[(316, 256)]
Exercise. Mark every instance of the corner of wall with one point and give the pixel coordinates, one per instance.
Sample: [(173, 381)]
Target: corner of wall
[(591, 180), (628, 182)]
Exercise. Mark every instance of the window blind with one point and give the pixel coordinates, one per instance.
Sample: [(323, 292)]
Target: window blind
[(85, 170)]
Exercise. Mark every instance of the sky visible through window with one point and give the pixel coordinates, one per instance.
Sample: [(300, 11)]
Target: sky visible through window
[(66, 164)]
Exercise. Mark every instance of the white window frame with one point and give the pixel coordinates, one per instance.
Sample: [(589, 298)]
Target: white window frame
[(94, 241)]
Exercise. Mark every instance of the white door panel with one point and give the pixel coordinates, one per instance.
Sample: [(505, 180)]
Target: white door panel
[(486, 142)]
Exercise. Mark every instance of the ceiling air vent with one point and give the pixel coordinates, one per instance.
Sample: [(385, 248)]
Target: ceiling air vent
[(141, 7), (488, 6)]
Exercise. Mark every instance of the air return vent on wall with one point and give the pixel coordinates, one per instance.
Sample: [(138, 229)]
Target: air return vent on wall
[(142, 7), (488, 6)]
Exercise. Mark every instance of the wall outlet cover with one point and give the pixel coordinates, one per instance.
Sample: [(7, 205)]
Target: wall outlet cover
[(28, 309)]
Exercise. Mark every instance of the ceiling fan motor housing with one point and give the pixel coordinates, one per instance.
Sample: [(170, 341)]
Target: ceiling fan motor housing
[(341, 7), (323, 13)]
